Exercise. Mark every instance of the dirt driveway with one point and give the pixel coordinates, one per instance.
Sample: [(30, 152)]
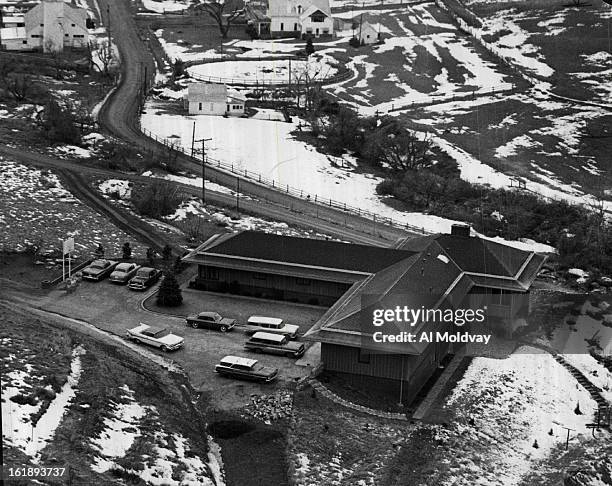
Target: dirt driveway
[(115, 308)]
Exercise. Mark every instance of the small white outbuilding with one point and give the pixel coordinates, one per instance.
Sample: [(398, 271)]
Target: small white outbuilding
[(213, 99)]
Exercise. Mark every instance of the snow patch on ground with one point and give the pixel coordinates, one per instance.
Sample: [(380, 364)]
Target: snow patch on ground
[(515, 402), (17, 428)]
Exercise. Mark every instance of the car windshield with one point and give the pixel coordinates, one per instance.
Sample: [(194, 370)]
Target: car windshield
[(123, 267), (143, 273), (216, 316), (98, 264)]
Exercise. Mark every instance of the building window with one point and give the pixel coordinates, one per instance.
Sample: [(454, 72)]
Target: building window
[(364, 357), (35, 36), (24, 42), (259, 276), (73, 25), (65, 35), (295, 27), (326, 31), (299, 10), (78, 36), (282, 26), (199, 106), (318, 18), (302, 281), (212, 273), (42, 25)]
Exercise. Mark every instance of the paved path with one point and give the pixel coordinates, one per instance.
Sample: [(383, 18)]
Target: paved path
[(433, 395)]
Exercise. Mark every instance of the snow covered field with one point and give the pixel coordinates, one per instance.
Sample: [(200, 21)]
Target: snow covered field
[(268, 71), (35, 209), (513, 402), (288, 161)]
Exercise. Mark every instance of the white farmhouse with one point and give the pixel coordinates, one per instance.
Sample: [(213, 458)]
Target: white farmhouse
[(213, 99), (300, 18), (54, 24)]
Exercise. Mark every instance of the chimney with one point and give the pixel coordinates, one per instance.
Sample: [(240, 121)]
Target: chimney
[(460, 230)]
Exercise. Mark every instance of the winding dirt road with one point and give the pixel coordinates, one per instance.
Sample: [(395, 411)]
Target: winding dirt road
[(120, 113)]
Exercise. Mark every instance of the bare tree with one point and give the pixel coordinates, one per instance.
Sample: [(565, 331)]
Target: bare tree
[(216, 10), (404, 150), (102, 52)]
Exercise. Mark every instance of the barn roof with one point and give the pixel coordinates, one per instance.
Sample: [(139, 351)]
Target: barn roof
[(254, 246)]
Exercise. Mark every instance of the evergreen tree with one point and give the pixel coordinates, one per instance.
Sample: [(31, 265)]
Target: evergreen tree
[(166, 253), (169, 294), (127, 250), (309, 46)]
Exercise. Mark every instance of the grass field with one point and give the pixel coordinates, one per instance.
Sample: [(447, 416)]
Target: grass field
[(37, 211), (120, 422)]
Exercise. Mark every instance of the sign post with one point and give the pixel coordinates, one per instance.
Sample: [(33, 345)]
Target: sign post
[(67, 248)]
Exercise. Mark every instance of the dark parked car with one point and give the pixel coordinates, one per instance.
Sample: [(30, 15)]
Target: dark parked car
[(145, 277), (98, 270), (124, 272), (265, 342), (245, 369), (211, 320)]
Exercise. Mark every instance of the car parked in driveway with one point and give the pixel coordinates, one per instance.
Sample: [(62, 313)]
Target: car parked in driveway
[(270, 324), (245, 369), (98, 269), (211, 320), (155, 336), (266, 342), (123, 273), (145, 277)]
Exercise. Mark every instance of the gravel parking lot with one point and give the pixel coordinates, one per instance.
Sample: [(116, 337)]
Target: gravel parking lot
[(115, 308), (241, 308)]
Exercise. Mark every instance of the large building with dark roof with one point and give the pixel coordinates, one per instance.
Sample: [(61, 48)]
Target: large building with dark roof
[(444, 271)]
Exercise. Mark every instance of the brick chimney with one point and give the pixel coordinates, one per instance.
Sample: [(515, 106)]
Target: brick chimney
[(460, 230)]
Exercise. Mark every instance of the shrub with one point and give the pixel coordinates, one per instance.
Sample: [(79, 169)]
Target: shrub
[(354, 42), (60, 124), (157, 199)]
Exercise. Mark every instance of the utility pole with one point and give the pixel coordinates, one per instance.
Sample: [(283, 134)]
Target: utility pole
[(203, 140), (238, 195), (108, 21)]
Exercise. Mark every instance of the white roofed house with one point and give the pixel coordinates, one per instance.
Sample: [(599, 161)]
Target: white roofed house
[(53, 25), (13, 39), (213, 99)]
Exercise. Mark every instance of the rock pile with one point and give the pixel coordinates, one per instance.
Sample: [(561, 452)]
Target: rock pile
[(270, 407)]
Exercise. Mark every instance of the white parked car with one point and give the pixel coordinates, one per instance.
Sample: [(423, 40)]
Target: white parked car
[(271, 324), (124, 272), (155, 336)]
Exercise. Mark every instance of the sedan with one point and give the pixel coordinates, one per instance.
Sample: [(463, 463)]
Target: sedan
[(245, 369), (98, 270), (211, 320), (155, 336), (145, 277), (123, 273)]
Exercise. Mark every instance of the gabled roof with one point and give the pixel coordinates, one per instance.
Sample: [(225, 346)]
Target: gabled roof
[(252, 246), (206, 92), (439, 276), (313, 9)]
